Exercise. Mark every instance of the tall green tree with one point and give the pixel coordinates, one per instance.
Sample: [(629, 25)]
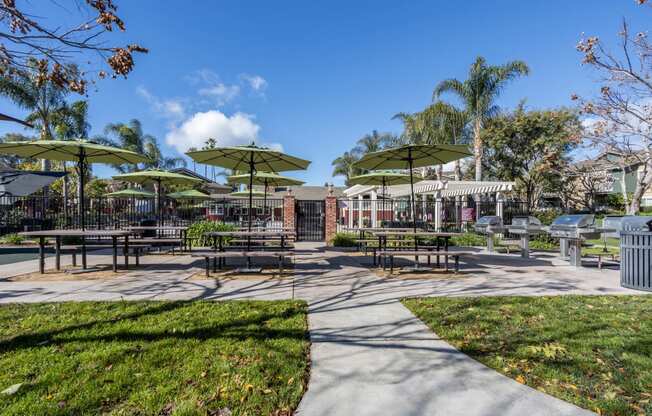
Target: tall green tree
[(130, 136), (41, 99), (373, 142), (343, 166), (479, 93), (531, 148)]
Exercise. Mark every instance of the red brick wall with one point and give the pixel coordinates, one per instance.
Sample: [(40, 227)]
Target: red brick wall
[(288, 212), (331, 218)]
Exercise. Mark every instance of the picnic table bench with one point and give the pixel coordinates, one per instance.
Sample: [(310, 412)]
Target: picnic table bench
[(135, 250), (446, 254), (219, 257)]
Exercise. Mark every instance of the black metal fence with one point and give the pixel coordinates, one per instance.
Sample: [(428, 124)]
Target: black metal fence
[(456, 215), (46, 213)]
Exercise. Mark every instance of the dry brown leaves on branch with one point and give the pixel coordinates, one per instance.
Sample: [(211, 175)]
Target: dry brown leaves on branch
[(56, 50)]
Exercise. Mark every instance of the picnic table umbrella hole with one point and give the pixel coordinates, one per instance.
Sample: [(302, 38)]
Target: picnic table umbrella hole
[(84, 152), (158, 177)]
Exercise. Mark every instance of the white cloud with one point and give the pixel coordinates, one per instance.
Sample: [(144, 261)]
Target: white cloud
[(256, 82), (237, 129), (172, 109), (220, 92)]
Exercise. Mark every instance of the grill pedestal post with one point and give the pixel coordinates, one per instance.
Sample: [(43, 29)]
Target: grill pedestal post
[(575, 252)]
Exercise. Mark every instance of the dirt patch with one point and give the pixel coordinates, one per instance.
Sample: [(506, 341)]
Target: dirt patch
[(105, 272)]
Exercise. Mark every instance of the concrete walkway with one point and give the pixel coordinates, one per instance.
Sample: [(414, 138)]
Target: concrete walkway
[(370, 355)]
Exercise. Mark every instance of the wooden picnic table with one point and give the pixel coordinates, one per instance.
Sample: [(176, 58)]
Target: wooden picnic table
[(182, 230), (446, 236), (219, 236), (59, 234)]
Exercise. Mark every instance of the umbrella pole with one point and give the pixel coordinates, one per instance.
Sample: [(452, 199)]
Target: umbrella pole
[(412, 205), (265, 200), (251, 196), (82, 210), (158, 196)]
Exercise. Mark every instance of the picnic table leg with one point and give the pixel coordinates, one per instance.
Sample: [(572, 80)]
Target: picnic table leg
[(391, 264), (83, 252), (208, 266), (115, 253), (280, 265), (457, 264), (446, 260), (214, 265), (437, 248), (41, 254), (74, 259), (127, 252), (57, 248), (138, 256)]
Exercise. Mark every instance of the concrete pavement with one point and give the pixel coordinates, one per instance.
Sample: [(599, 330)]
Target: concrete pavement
[(369, 354)]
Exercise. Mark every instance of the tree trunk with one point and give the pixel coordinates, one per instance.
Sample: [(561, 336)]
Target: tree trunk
[(458, 170), (440, 172), (623, 185), (477, 147), (643, 182)]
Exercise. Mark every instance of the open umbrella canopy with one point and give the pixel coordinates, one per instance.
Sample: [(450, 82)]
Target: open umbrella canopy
[(71, 150), (244, 194), (266, 179), (413, 156), (160, 177), (381, 178), (249, 158), (189, 194), (130, 193), (83, 152)]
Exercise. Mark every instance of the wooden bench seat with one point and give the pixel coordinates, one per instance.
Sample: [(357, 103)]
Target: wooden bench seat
[(223, 255), (135, 250), (428, 253)]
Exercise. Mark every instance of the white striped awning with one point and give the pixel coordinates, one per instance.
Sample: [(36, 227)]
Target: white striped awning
[(447, 188)]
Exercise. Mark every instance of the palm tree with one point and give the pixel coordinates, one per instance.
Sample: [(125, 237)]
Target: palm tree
[(372, 142), (130, 136), (343, 166), (479, 93), (42, 99)]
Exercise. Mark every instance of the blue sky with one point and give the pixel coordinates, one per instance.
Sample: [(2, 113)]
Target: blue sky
[(313, 77)]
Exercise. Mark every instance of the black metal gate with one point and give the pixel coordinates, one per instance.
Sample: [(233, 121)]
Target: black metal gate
[(310, 220)]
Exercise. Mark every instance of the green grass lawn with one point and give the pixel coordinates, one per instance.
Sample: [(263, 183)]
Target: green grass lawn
[(594, 351), (143, 358)]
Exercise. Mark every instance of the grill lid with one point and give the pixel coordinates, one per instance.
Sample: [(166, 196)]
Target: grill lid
[(636, 223), (490, 220), (525, 222), (573, 221)]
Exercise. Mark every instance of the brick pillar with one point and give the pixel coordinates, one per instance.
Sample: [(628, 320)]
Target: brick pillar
[(289, 219), (331, 218)]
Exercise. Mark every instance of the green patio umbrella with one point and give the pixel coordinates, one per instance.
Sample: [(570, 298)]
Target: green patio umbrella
[(384, 178), (249, 159), (158, 177), (83, 152), (130, 193), (265, 179), (413, 156), (189, 194)]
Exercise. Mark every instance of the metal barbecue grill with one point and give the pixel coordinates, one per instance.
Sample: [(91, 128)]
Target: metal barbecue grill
[(489, 225), (636, 253), (524, 227), (572, 230)]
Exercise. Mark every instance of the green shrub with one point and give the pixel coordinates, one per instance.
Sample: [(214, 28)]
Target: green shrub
[(344, 240), (14, 239), (196, 231), (547, 216), (468, 240)]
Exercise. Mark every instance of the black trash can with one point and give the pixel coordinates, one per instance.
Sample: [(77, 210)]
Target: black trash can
[(148, 223), (636, 253)]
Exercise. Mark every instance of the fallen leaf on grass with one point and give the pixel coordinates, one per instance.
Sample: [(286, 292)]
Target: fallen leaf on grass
[(520, 379), (13, 389)]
